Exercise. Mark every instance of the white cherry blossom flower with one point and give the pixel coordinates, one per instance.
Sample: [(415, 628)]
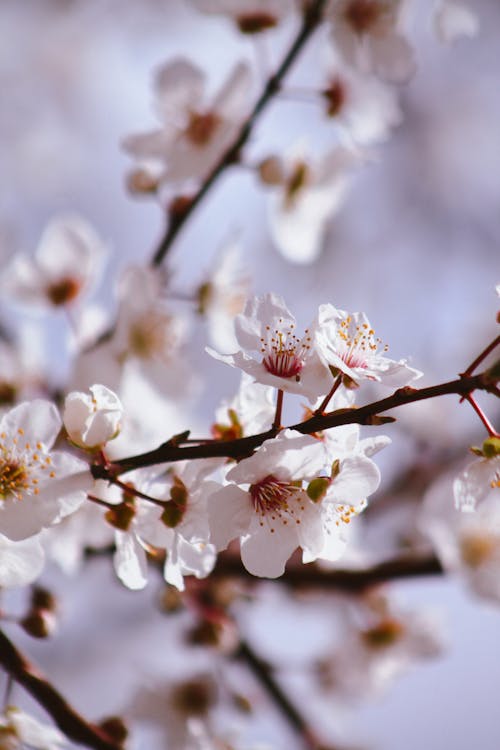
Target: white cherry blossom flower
[(148, 335), (381, 642), (267, 328), (183, 529), (365, 108), (194, 132), (38, 486), (65, 267), (367, 34), (478, 480), (18, 730), (92, 420), (251, 411), (305, 192), (266, 506), (20, 562), (222, 296), (467, 544), (453, 20), (347, 343), (250, 16)]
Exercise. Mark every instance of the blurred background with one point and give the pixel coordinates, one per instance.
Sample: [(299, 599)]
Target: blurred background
[(415, 245)]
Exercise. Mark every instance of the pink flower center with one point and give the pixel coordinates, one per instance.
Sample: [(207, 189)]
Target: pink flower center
[(271, 500), (284, 353), (363, 15), (357, 344), (201, 127)]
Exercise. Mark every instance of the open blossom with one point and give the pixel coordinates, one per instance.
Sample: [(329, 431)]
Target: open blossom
[(347, 343), (478, 480), (266, 506), (467, 544), (92, 420), (365, 108), (194, 132), (381, 642), (38, 486), (305, 192), (367, 34), (19, 730), (251, 411), (149, 336), (65, 266), (183, 529), (267, 329), (250, 16), (222, 296), (453, 20), (20, 562)]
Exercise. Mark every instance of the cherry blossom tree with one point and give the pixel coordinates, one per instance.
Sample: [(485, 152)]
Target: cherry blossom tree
[(124, 448)]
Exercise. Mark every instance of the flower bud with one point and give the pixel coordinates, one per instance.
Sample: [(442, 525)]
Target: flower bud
[(92, 420), (115, 728), (39, 623)]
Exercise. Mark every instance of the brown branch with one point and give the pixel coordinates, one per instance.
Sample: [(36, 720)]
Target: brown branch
[(349, 580), (243, 447), (312, 18), (74, 726), (264, 674)]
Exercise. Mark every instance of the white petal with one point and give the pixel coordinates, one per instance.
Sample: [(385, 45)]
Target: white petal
[(229, 512), (265, 554), (39, 420), (130, 561), (20, 562)]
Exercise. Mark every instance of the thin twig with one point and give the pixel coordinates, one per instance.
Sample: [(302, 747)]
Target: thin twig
[(71, 723), (264, 674), (312, 18), (481, 357)]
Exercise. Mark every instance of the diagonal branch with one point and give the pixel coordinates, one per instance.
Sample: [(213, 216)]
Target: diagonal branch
[(74, 726), (243, 447), (312, 18)]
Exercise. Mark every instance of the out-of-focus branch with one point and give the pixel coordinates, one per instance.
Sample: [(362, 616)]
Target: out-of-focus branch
[(74, 726), (312, 18), (264, 674), (351, 580), (243, 447)]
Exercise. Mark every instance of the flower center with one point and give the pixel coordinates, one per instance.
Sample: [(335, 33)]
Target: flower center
[(150, 336), (201, 127), (284, 353), (271, 500), (253, 23), (335, 96), (63, 291), (362, 15), (477, 548), (357, 343), (21, 467), (296, 182), (384, 634)]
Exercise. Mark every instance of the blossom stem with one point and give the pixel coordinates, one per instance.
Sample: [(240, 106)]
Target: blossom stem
[(137, 493), (279, 409), (74, 726), (311, 20), (321, 408), (482, 416), (491, 347), (98, 501)]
